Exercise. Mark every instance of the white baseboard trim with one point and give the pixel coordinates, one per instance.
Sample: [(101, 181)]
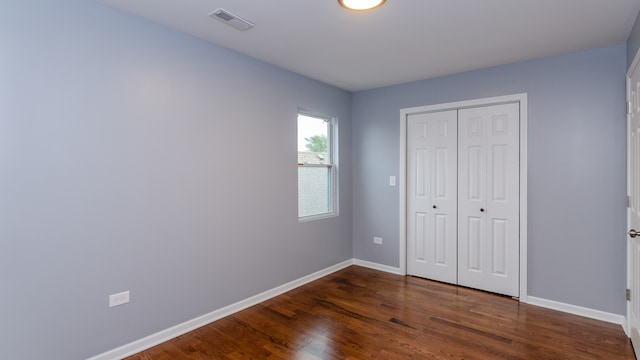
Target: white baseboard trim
[(376, 266), (180, 329), (578, 310), (625, 327)]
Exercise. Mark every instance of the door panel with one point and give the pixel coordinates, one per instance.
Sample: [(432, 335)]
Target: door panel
[(420, 237), (432, 195), (499, 246), (499, 172), (488, 140), (474, 240), (441, 239), (475, 174), (441, 174), (421, 173), (633, 217)]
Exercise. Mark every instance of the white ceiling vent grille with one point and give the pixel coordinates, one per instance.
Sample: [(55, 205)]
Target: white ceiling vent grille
[(232, 20)]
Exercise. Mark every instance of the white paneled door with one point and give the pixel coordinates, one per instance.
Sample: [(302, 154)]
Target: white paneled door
[(488, 198), (432, 192), (633, 217), (463, 197)]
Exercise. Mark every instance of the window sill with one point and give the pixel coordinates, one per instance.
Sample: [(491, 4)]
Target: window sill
[(317, 217)]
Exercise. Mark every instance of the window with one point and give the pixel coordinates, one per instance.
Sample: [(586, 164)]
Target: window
[(317, 193)]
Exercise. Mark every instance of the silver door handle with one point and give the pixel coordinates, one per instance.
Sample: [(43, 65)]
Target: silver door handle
[(633, 233)]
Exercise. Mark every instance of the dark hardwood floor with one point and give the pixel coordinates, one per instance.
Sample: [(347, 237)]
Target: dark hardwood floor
[(358, 313)]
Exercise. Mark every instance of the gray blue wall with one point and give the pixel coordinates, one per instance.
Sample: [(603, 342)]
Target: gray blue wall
[(136, 158), (576, 157), (133, 157)]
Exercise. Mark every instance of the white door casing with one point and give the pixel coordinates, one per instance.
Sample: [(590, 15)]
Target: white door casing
[(432, 195), (633, 211), (488, 198)]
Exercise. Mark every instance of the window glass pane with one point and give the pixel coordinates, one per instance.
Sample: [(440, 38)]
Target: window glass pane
[(315, 170), (314, 191), (313, 136)]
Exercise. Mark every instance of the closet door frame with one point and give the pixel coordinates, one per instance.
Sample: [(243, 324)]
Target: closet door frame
[(404, 114)]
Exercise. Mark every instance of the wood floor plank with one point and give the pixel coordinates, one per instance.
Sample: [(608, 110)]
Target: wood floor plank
[(359, 313)]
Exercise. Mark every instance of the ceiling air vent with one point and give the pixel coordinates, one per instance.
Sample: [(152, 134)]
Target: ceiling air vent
[(232, 20)]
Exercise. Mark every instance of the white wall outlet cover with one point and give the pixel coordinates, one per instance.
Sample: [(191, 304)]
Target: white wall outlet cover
[(119, 298), (392, 180), (377, 240)]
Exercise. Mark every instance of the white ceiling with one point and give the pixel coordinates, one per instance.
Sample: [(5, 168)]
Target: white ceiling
[(402, 41)]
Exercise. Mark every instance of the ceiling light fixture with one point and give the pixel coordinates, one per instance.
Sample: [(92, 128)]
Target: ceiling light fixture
[(360, 5)]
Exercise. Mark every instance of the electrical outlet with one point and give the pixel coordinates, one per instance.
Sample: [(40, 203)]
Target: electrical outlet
[(392, 180), (377, 240), (119, 299)]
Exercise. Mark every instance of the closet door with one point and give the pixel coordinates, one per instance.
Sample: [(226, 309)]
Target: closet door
[(488, 198), (432, 195)]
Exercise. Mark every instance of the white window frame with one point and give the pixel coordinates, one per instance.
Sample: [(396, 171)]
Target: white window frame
[(332, 147)]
